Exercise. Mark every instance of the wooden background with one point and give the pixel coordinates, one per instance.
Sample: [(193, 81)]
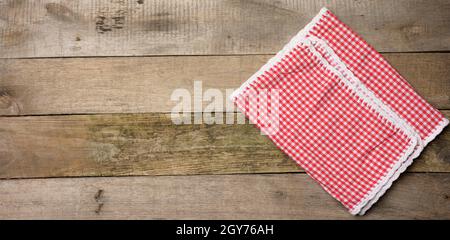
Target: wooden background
[(85, 123)]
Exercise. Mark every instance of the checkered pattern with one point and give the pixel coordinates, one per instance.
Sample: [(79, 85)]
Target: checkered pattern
[(375, 72), (352, 136), (335, 62)]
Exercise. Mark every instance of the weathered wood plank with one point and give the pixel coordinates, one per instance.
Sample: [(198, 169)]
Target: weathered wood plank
[(280, 196), (52, 28), (145, 84), (150, 144)]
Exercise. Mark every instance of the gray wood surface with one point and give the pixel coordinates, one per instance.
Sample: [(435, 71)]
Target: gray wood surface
[(85, 92), (150, 144), (145, 84), (279, 196), (57, 28)]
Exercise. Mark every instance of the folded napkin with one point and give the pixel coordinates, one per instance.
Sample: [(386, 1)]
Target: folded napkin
[(337, 108)]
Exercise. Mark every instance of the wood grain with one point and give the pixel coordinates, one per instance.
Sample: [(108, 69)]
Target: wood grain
[(280, 196), (145, 84), (150, 144), (61, 28)]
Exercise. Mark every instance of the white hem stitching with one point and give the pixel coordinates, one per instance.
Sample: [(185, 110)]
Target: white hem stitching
[(410, 152)]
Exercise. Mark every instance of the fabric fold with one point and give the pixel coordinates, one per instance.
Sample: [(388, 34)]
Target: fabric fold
[(340, 111)]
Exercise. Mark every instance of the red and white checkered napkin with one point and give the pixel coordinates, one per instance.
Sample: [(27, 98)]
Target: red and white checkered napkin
[(336, 107)]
